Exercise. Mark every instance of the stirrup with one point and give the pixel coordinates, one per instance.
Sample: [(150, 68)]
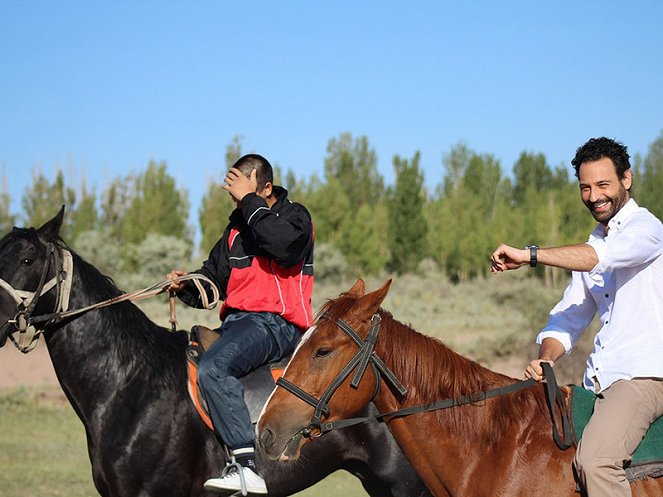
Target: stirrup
[(240, 470)]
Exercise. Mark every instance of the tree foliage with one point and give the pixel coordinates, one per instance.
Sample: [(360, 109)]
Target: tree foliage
[(407, 228), (137, 226), (157, 207)]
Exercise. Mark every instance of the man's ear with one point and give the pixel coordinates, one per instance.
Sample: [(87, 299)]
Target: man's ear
[(267, 190), (627, 180)]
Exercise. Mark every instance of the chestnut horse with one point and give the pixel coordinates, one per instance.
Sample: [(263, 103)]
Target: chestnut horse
[(501, 446), (126, 378)]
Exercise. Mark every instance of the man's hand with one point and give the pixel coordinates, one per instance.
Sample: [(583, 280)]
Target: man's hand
[(534, 369), (238, 185), (173, 276), (506, 257)]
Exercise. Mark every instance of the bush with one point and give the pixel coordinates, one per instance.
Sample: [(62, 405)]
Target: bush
[(100, 248), (330, 264)]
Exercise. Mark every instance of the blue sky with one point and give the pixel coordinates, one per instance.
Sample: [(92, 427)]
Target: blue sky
[(97, 89)]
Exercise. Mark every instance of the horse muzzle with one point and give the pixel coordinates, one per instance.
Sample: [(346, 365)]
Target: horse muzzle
[(278, 449)]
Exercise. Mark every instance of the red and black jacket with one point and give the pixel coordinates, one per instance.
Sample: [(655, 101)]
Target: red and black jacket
[(264, 260)]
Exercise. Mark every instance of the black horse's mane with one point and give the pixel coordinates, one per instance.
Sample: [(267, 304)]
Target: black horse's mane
[(137, 339)]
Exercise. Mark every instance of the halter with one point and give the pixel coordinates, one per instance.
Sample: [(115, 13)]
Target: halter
[(364, 356), (26, 301)]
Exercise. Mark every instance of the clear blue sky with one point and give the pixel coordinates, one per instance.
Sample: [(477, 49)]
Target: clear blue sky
[(97, 89)]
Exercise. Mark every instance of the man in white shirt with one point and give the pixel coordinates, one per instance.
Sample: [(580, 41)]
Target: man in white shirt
[(617, 275)]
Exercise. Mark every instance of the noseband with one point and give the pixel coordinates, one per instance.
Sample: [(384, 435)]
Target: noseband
[(26, 301), (364, 356)]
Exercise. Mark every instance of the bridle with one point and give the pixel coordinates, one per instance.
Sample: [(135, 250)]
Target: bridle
[(364, 356), (30, 328), (26, 301)]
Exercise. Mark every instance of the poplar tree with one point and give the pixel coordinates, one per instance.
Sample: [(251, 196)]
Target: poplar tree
[(43, 199), (85, 217), (407, 225), (158, 207)]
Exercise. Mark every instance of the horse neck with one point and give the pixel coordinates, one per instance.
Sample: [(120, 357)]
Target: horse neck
[(104, 351), (433, 372)]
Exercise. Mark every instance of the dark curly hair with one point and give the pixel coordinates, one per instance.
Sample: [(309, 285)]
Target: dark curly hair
[(598, 148)]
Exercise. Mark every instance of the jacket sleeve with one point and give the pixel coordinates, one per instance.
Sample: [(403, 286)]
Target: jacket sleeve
[(286, 236), (216, 268)]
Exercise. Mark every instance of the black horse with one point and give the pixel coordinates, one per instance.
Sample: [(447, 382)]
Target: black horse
[(126, 378)]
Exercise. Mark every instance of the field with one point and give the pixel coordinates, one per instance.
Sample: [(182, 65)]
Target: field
[(42, 442)]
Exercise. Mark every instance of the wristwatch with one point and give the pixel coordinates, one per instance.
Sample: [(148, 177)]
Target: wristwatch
[(532, 254)]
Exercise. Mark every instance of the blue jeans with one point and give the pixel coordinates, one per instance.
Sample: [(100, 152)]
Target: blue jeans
[(248, 340)]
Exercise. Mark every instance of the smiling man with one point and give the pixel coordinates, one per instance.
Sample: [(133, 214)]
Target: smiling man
[(617, 275)]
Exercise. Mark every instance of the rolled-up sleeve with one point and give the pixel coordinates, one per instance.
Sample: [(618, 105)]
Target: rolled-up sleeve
[(571, 316)]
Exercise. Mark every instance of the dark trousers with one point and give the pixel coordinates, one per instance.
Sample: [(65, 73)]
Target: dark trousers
[(248, 340)]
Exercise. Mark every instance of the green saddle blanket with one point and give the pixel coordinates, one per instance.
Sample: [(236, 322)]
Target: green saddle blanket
[(650, 449)]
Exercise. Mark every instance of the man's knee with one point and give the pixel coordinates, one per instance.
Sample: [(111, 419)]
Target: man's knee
[(590, 466), (210, 371)]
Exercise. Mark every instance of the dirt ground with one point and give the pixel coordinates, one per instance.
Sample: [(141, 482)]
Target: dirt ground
[(30, 370)]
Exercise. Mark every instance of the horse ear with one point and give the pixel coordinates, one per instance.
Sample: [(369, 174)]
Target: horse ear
[(51, 229), (371, 302), (358, 289)]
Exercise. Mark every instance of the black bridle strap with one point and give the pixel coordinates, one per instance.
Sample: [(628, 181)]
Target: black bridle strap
[(369, 354), (303, 395), (364, 356), (553, 398), (472, 398)]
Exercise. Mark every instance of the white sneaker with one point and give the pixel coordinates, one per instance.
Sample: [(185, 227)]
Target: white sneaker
[(231, 482)]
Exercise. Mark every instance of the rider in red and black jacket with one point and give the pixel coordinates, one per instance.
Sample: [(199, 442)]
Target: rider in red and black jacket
[(264, 260), (263, 267)]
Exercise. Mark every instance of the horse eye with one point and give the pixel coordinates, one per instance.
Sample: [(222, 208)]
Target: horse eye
[(323, 352), (26, 262)]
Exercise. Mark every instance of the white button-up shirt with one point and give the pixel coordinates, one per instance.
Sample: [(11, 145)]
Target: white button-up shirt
[(625, 290)]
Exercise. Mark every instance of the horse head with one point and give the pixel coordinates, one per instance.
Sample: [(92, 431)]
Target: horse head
[(26, 265), (327, 374)]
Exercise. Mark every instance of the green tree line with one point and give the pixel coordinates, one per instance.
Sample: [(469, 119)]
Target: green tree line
[(139, 222)]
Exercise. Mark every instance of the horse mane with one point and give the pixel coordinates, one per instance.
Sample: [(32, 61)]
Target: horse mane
[(135, 340), (432, 372)]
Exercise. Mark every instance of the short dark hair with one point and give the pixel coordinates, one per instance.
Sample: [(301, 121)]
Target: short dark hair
[(598, 148), (264, 172)]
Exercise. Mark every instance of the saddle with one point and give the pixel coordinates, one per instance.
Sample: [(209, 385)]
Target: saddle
[(258, 385), (648, 457)]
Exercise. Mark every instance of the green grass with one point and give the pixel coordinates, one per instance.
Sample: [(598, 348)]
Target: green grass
[(43, 451), (42, 443)]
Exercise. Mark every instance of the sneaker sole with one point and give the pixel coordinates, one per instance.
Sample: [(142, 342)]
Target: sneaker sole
[(212, 487)]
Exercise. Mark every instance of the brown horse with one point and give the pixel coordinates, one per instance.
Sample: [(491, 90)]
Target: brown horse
[(502, 446)]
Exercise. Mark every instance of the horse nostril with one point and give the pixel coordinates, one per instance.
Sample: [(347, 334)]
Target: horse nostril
[(267, 438)]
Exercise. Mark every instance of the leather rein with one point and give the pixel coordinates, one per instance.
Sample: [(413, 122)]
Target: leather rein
[(30, 327), (367, 355)]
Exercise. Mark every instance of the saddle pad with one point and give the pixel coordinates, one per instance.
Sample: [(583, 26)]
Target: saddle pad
[(650, 449)]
